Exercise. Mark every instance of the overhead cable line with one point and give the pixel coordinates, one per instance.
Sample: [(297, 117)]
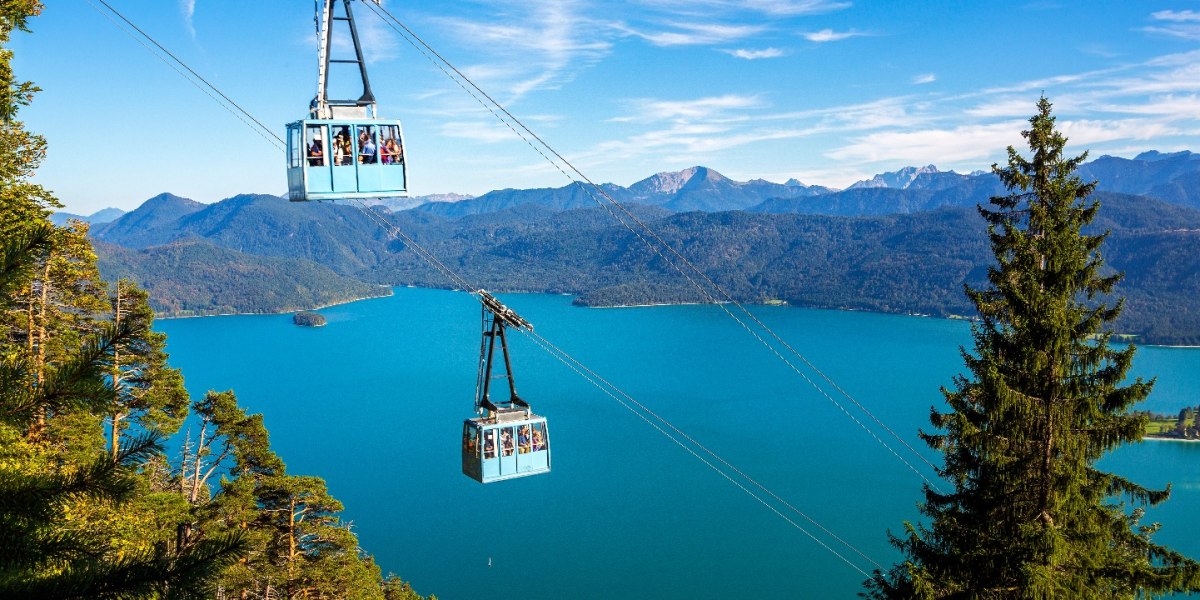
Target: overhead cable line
[(493, 105), (574, 364), (629, 403), (280, 143)]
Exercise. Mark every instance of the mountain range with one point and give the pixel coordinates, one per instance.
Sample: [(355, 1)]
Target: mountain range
[(900, 242), (101, 216)]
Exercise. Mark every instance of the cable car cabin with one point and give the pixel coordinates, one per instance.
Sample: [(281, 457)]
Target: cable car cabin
[(335, 159), (515, 443)]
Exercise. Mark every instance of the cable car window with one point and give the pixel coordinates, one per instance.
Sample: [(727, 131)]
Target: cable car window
[(294, 146), (506, 440), (367, 147), (471, 440), (343, 147), (523, 439), (489, 444), (539, 437), (390, 150), (314, 144)]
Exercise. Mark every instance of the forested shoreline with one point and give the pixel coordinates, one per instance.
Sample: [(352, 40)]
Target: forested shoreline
[(903, 263)]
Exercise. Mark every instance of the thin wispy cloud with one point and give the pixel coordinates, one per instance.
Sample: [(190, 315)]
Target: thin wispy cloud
[(778, 8), (747, 54), (1110, 107), (828, 35), (1100, 50), (1086, 132), (932, 145), (549, 28), (1181, 31), (1183, 24), (1177, 16), (1165, 106), (709, 108), (1008, 107), (696, 34), (532, 45), (485, 132), (188, 7)]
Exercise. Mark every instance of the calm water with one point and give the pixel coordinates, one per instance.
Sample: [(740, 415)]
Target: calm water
[(374, 403)]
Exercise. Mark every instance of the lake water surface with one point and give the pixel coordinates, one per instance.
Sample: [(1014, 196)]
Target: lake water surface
[(374, 402)]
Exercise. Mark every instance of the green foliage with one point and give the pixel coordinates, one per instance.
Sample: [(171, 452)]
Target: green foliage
[(195, 277), (308, 319), (77, 521), (1030, 515), (146, 392), (301, 546)]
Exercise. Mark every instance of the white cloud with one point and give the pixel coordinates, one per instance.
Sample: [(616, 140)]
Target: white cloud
[(924, 78), (532, 45), (1009, 107), (709, 108), (794, 7), (487, 132), (1185, 78), (828, 35), (379, 41), (1176, 15), (781, 8), (964, 142), (1182, 31), (1089, 132), (697, 34), (189, 12), (1183, 107), (748, 54)]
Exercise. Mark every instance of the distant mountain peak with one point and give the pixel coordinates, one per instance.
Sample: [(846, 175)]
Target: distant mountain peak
[(1155, 155), (668, 183), (899, 180)]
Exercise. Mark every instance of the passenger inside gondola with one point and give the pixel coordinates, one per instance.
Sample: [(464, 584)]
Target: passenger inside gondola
[(489, 445), (523, 440), (391, 152), (506, 439), (367, 149), (342, 148), (539, 438), (316, 154)]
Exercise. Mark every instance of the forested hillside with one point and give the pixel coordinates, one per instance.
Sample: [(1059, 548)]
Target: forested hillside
[(91, 504), (909, 262)]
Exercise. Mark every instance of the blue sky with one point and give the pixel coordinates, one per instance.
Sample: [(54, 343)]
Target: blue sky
[(825, 91)]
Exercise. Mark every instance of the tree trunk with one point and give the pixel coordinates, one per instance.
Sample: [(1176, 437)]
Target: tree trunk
[(116, 381), (40, 356), (196, 474), (291, 544)]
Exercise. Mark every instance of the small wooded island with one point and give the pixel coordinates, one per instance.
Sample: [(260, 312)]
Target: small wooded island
[(306, 318), (1185, 426)]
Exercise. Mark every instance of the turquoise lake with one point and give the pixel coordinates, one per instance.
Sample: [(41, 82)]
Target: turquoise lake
[(374, 403)]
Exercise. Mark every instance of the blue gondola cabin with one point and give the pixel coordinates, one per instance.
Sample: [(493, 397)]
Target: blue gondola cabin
[(515, 443), (345, 159)]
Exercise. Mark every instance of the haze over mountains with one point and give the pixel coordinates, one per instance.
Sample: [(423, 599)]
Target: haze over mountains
[(899, 242)]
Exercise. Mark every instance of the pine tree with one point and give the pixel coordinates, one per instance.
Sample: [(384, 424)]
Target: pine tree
[(1030, 515), (302, 549), (146, 391), (57, 486)]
